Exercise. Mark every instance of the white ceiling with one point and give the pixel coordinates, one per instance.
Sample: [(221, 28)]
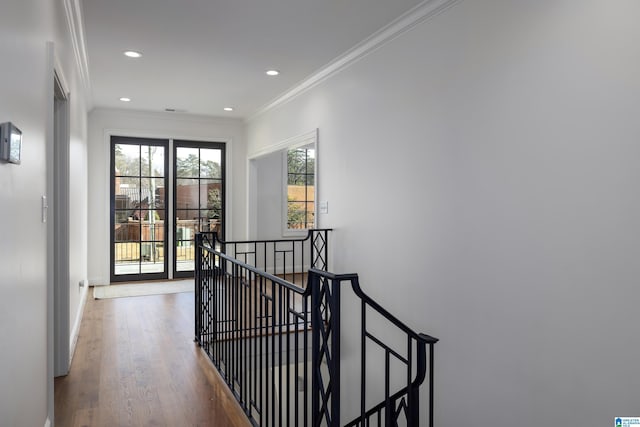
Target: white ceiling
[(203, 55)]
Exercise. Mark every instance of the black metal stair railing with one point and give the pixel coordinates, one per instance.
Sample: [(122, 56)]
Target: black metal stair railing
[(400, 407), (289, 259), (277, 344), (256, 326)]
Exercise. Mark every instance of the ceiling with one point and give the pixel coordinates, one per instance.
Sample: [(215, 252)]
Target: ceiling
[(200, 56)]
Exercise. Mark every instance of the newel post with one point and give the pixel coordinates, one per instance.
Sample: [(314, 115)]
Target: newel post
[(198, 288), (325, 295)]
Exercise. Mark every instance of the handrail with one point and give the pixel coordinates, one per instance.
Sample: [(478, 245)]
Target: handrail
[(288, 258), (393, 403), (420, 377), (292, 239), (257, 329), (280, 281), (253, 326), (262, 330), (355, 284)]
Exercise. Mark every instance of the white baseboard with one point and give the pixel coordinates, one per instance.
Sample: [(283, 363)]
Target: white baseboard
[(47, 423), (98, 281), (75, 331)]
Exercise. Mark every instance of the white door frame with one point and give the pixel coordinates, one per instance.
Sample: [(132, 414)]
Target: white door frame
[(61, 226), (55, 211)]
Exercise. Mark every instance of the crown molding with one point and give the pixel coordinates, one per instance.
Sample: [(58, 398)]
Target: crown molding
[(73, 12), (416, 16)]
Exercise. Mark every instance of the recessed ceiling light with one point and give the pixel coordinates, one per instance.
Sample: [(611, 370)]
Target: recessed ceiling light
[(228, 109), (125, 99), (273, 72), (132, 54)]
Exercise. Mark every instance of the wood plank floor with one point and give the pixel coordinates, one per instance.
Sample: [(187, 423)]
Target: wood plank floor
[(136, 365)]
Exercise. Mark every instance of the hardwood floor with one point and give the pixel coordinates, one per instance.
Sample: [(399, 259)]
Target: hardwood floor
[(136, 365)]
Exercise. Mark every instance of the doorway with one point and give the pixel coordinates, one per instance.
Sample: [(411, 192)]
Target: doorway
[(59, 200), (199, 198), (163, 192), (138, 208)]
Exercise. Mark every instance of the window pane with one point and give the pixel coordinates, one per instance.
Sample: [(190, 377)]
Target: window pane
[(310, 219), (127, 231), (187, 215), (194, 221), (210, 163), (211, 194), (121, 216), (311, 161), (152, 161), (138, 209), (198, 197), (296, 179), (152, 257), (123, 202), (187, 162), (152, 194), (127, 192), (187, 194), (185, 247), (296, 193), (152, 231), (296, 160), (210, 224), (126, 258), (296, 215), (186, 229), (127, 159), (300, 187), (185, 256)]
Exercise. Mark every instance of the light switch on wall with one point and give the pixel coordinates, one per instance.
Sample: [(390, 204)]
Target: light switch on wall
[(45, 206), (323, 207)]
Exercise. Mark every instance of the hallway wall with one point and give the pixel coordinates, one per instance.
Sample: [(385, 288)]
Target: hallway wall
[(499, 144), (26, 82), (268, 196), (103, 122), (78, 174)]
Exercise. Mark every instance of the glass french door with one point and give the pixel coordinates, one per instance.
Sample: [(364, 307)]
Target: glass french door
[(139, 181), (199, 198)]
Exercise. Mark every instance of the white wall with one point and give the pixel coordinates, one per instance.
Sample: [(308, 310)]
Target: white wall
[(482, 177), (25, 84), (78, 176), (269, 196), (103, 123)]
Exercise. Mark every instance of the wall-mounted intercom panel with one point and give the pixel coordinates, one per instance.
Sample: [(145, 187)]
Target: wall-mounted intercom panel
[(10, 143)]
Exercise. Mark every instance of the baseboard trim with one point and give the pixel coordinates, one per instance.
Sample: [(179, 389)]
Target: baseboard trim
[(98, 281), (47, 423), (75, 331)]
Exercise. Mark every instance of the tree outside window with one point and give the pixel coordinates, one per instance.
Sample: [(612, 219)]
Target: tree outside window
[(300, 188)]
